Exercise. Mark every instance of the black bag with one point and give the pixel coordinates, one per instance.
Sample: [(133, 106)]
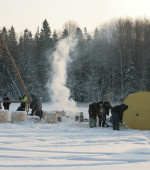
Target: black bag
[(21, 109)]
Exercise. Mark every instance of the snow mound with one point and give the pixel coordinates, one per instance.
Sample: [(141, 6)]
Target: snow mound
[(4, 116)]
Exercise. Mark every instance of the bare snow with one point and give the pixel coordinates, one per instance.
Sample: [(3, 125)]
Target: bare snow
[(71, 145)]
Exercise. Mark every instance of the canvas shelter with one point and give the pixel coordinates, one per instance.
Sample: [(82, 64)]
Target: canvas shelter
[(137, 116)]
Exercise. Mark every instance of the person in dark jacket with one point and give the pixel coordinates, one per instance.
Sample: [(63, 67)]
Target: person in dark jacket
[(101, 112), (97, 110), (107, 107), (117, 115), (5, 104), (36, 106), (92, 115)]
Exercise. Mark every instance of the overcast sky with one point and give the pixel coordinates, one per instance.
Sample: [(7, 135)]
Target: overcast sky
[(87, 13)]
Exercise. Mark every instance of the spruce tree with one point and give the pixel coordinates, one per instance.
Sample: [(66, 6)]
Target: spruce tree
[(131, 80), (65, 34), (43, 44)]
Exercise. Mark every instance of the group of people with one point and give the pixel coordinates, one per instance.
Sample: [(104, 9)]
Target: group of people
[(6, 102), (101, 109), (97, 111), (35, 105)]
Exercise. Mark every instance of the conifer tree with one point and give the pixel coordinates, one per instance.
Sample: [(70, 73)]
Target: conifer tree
[(65, 34)]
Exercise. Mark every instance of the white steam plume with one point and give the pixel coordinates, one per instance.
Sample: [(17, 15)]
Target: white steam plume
[(59, 93)]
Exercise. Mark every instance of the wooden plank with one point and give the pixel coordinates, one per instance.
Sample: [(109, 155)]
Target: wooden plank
[(13, 101)]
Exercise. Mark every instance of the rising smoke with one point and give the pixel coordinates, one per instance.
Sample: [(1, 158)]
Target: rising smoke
[(58, 91)]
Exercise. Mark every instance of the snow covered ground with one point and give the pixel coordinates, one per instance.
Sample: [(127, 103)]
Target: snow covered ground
[(72, 145)]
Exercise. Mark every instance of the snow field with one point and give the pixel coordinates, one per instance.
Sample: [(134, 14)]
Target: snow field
[(71, 145)]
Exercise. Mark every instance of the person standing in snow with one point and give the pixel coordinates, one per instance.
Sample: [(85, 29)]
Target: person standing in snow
[(117, 115), (36, 106), (101, 112), (97, 110), (107, 107), (5, 104), (92, 115)]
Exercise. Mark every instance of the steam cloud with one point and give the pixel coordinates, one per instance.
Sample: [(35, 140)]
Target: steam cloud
[(58, 92)]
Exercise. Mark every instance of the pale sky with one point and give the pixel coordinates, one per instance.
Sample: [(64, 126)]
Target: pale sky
[(87, 13)]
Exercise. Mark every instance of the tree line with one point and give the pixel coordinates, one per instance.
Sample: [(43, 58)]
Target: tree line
[(107, 65)]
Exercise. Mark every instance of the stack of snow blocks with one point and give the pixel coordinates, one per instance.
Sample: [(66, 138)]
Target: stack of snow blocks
[(4, 116), (18, 116), (60, 115), (79, 117), (51, 117)]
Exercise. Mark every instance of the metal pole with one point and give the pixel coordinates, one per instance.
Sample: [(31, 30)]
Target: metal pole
[(14, 65)]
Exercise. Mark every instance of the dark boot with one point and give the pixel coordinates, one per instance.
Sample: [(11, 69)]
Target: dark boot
[(117, 127), (114, 127), (103, 123), (100, 123)]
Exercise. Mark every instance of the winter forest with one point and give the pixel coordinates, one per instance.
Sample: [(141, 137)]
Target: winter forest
[(108, 64)]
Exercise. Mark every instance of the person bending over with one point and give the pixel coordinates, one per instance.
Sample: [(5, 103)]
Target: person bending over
[(117, 115)]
